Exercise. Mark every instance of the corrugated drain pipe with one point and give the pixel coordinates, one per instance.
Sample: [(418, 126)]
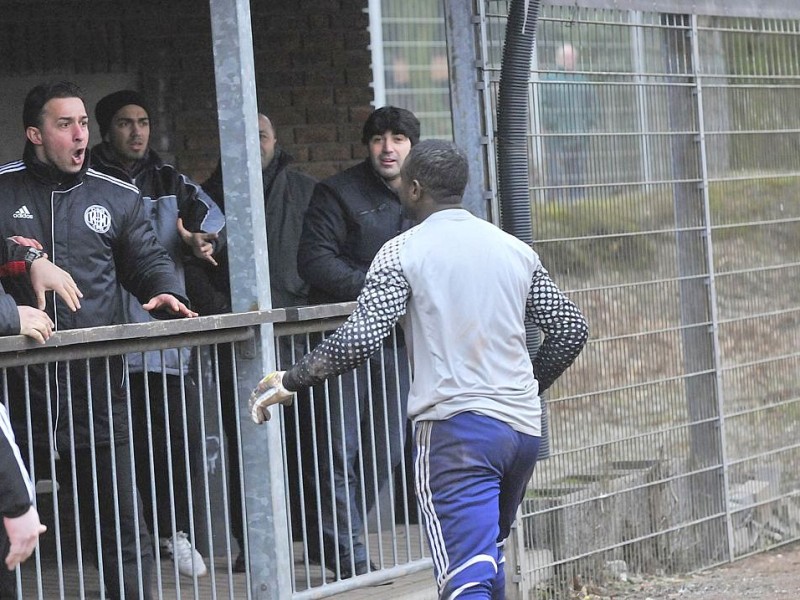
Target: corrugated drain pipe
[(512, 143)]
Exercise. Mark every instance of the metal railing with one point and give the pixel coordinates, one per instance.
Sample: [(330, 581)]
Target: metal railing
[(186, 451), (674, 436)]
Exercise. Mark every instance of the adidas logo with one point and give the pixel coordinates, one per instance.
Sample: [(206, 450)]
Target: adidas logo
[(22, 213)]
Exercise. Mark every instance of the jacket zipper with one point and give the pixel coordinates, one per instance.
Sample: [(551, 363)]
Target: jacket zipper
[(55, 318)]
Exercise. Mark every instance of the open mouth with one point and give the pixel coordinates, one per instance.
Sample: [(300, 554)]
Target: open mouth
[(77, 156)]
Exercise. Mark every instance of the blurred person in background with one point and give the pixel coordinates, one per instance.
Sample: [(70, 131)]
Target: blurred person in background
[(569, 111)]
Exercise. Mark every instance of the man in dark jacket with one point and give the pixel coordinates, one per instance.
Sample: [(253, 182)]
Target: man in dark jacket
[(351, 215), (169, 197), (286, 196), (93, 227), (21, 527)]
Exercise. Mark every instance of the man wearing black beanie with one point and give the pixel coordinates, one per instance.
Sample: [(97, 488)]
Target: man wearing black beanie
[(183, 217), (109, 105)]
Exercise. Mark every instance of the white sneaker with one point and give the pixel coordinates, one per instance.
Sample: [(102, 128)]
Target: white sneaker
[(187, 558)]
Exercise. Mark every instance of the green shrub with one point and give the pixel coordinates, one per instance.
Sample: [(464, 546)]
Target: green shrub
[(580, 238), (618, 233)]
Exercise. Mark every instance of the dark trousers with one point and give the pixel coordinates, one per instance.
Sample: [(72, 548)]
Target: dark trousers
[(101, 492), (360, 435), (174, 434), (297, 478), (227, 385)]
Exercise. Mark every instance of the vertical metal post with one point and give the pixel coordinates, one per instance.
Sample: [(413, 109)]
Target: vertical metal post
[(643, 108), (462, 55), (517, 582), (376, 51), (487, 96), (537, 141), (262, 466), (692, 248), (712, 286)]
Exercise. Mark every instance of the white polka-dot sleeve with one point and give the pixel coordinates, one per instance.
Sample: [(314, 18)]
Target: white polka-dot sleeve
[(564, 328), (381, 303)]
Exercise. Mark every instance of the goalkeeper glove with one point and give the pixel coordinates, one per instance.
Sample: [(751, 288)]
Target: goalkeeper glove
[(269, 391)]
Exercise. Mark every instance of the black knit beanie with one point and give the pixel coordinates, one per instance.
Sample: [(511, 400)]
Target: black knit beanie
[(108, 106)]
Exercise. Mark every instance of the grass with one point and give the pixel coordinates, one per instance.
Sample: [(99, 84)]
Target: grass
[(618, 232)]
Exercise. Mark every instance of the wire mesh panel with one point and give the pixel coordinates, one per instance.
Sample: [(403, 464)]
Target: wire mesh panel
[(663, 174), (415, 64), (754, 213)]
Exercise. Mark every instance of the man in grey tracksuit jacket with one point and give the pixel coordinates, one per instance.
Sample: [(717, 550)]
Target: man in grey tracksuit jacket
[(463, 291), (167, 196)]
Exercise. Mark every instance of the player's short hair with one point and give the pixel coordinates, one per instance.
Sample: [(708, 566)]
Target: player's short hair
[(441, 168)]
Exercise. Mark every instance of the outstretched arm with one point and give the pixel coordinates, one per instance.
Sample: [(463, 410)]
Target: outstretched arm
[(380, 305), (144, 268)]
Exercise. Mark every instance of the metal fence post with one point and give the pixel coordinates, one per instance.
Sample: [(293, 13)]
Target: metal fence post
[(262, 466), (462, 55), (695, 308), (713, 300)]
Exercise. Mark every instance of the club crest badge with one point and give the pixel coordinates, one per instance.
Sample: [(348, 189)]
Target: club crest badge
[(97, 218)]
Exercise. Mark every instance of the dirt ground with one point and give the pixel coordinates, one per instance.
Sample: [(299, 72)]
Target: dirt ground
[(767, 576)]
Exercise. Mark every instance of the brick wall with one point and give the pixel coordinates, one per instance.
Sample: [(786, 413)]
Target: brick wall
[(312, 69), (312, 78)]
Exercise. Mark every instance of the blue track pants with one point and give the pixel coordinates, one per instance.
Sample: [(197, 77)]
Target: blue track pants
[(470, 476)]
